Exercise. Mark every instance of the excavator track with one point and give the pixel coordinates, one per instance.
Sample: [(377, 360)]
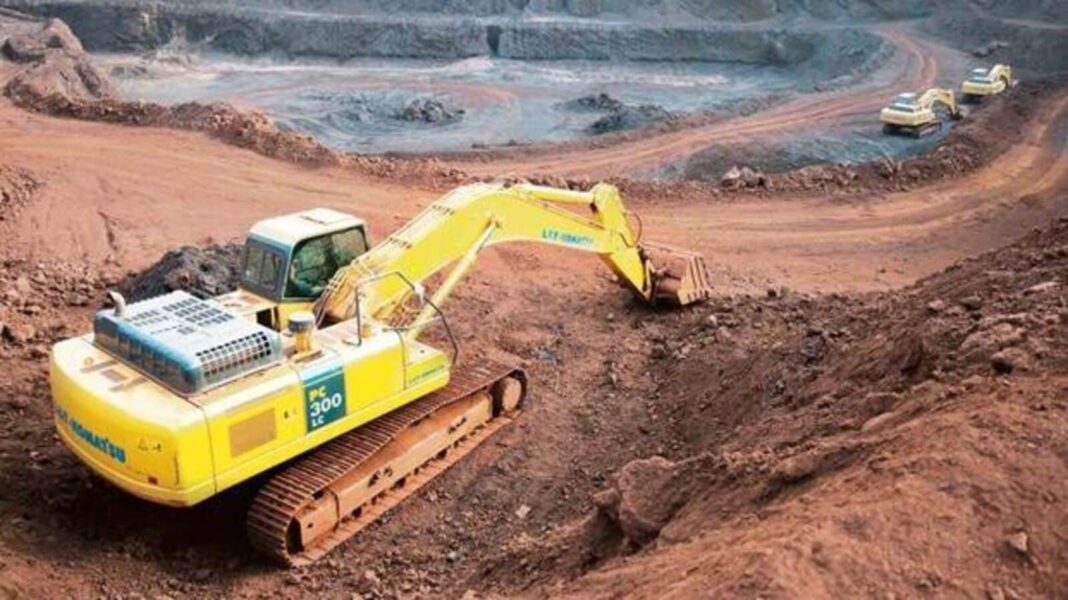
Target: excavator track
[(324, 498)]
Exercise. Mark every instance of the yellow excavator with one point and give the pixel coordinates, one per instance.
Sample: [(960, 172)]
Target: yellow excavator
[(320, 376), (987, 82), (916, 114)]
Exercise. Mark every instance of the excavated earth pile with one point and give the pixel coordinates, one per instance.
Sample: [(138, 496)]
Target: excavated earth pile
[(203, 272), (796, 445)]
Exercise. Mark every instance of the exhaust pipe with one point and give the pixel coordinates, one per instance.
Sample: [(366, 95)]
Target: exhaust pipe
[(119, 301)]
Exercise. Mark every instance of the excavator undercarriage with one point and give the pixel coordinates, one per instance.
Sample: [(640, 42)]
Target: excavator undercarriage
[(321, 500)]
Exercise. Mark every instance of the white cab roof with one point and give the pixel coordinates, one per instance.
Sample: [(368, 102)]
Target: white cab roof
[(290, 229)]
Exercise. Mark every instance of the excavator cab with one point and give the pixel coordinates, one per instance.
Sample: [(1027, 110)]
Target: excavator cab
[(986, 82), (916, 114), (289, 260)]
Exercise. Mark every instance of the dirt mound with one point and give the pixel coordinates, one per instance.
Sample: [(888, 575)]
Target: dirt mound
[(52, 61), (32, 295), (245, 129), (847, 445), (204, 272)]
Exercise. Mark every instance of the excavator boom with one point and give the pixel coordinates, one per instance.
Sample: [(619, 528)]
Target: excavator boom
[(479, 215), (301, 513)]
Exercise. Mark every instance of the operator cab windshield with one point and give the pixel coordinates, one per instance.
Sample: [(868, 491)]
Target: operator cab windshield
[(316, 260), (979, 76)]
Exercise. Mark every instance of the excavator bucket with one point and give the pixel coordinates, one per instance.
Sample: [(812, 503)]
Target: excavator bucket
[(680, 277)]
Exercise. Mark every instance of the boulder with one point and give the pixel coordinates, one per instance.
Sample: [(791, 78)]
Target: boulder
[(643, 497), (743, 177)]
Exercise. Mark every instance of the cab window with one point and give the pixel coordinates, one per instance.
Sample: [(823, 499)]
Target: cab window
[(262, 268), (316, 260)]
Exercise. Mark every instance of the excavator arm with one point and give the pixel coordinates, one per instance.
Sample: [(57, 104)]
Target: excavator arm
[(1004, 73), (944, 97), (455, 228)]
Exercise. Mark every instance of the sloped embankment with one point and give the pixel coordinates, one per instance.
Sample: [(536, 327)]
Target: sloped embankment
[(887, 445)]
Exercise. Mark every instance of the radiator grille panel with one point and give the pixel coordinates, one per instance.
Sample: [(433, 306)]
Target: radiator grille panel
[(186, 343)]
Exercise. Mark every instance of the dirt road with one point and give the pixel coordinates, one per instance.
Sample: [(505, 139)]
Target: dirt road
[(126, 195), (915, 68)]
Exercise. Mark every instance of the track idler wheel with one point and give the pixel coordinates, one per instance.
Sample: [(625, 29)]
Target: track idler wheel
[(508, 395)]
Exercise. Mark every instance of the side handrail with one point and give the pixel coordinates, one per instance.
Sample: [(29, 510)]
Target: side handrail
[(415, 290)]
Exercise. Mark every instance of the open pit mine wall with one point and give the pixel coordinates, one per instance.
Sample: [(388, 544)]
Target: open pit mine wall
[(1033, 52), (712, 11), (242, 30)]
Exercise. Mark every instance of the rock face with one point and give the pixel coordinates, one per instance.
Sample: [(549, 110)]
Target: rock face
[(52, 61), (1030, 50), (665, 10), (644, 30)]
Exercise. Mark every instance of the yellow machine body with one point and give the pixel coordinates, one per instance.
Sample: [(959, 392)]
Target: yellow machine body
[(982, 82), (916, 113), (179, 451), (131, 425)]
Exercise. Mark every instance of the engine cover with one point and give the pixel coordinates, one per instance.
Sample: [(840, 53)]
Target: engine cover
[(186, 343)]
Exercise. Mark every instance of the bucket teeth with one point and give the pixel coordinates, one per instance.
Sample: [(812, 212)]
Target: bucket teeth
[(680, 277)]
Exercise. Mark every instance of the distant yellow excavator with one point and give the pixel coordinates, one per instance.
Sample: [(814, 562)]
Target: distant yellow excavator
[(916, 115), (316, 374), (982, 82)]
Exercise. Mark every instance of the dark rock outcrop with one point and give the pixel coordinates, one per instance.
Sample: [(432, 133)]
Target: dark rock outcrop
[(204, 272), (630, 117), (430, 110), (594, 102)]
